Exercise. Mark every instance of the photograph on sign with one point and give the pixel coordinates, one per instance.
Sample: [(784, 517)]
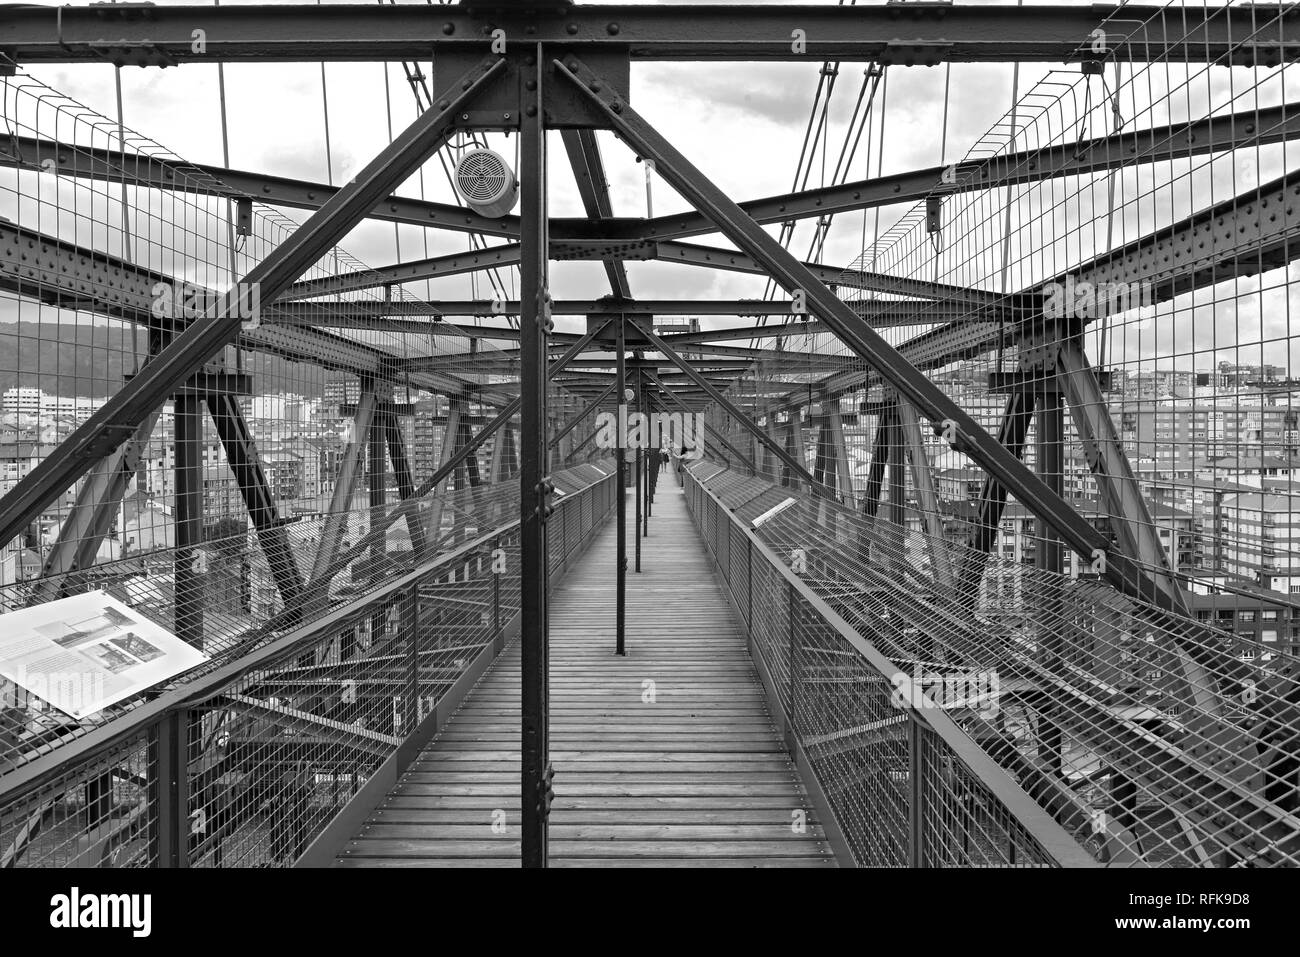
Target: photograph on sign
[(84, 653)]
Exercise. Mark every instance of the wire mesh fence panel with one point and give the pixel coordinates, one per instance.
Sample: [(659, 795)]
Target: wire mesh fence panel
[(1103, 284), (269, 756)]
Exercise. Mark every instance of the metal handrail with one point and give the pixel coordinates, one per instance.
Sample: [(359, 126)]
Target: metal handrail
[(42, 770), (1054, 839)]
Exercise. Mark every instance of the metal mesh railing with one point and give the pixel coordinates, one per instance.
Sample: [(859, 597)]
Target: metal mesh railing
[(906, 769), (246, 764)]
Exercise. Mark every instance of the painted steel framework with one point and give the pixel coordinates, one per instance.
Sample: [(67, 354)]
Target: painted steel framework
[(565, 68)]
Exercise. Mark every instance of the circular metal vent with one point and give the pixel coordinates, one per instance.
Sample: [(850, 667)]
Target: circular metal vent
[(486, 183)]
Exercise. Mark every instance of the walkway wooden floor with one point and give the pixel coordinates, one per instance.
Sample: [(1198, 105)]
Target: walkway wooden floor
[(699, 777)]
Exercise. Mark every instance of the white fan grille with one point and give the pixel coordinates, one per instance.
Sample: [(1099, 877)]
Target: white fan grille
[(482, 176)]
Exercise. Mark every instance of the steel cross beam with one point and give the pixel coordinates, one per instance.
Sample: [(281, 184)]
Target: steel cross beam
[(1211, 135), (589, 408), (1134, 527), (448, 467), (241, 454), (68, 275), (1012, 433), (1268, 125), (926, 495), (1212, 245), (911, 384), (385, 316), (716, 395), (96, 508), (711, 257), (345, 485), (929, 34), (436, 267), (589, 171), (753, 469), (119, 417), (405, 483)]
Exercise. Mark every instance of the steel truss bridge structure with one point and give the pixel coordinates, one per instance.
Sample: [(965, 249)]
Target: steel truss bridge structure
[(1003, 505)]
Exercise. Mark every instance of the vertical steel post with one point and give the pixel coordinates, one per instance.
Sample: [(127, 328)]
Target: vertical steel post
[(620, 505), (1050, 452), (376, 463), (793, 655), (533, 326), (916, 804), (411, 709), (497, 643), (188, 611), (1050, 455), (897, 526), (169, 790), (639, 477)]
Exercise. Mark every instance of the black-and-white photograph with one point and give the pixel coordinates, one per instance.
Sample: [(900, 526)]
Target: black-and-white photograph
[(137, 647), (848, 434)]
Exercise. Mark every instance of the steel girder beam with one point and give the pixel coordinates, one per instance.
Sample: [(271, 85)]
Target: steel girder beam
[(436, 267), (722, 401), (834, 422), (1131, 519), (119, 417), (1268, 125), (58, 273), (341, 314), (138, 169), (583, 444), (793, 445), (495, 463), (377, 495), (405, 483), (927, 498), (714, 257), (535, 762), (467, 474), (1222, 242), (593, 189), (911, 383), (450, 436), (345, 486), (879, 461), (587, 410), (686, 410), (96, 508), (930, 34), (510, 363), (1012, 432), (1220, 133), (187, 607), (241, 454), (690, 254)]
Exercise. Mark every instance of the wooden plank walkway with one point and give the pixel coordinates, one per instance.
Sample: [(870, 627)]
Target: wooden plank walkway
[(699, 777)]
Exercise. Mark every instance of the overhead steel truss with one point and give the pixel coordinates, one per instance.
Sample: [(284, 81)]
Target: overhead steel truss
[(562, 72), (915, 33)]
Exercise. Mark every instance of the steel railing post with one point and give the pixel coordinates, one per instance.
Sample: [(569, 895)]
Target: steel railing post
[(916, 770), (411, 707), (170, 745), (749, 585), (793, 655), (497, 641)]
